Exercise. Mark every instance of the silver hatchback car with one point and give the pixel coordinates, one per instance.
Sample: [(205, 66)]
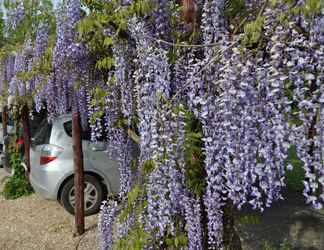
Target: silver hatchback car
[(52, 166)]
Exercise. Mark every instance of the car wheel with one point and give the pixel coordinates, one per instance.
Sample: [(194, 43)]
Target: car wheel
[(93, 195)]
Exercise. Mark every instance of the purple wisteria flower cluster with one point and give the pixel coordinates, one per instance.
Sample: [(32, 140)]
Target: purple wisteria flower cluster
[(15, 14), (107, 216), (41, 45), (67, 88), (22, 61)]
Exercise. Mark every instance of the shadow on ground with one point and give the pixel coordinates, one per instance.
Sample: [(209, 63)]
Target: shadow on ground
[(290, 221)]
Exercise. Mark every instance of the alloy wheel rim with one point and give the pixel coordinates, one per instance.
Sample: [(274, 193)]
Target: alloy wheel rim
[(90, 196)]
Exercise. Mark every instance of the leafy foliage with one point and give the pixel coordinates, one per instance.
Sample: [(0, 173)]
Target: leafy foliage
[(138, 238), (106, 25), (18, 184), (253, 32), (194, 156)]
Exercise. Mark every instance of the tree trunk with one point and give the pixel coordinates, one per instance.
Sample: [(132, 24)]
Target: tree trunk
[(26, 135), (204, 221), (78, 174), (231, 238)]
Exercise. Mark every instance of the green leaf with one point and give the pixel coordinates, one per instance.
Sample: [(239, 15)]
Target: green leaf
[(253, 32), (108, 41)]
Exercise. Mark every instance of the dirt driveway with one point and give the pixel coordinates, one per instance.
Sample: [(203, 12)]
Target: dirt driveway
[(34, 223)]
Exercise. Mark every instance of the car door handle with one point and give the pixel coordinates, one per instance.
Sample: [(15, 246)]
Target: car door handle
[(98, 148)]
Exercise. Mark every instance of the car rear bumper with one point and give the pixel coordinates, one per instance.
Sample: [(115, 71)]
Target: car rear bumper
[(41, 190), (45, 182)]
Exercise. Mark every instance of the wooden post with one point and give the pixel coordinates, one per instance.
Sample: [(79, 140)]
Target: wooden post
[(78, 174), (5, 140), (5, 121), (26, 135)]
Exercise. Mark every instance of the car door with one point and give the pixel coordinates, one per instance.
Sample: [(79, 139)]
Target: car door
[(99, 159), (96, 158)]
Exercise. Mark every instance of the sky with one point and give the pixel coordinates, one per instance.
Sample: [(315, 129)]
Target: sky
[(55, 2)]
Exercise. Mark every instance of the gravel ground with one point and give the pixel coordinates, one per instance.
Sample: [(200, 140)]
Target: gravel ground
[(34, 223)]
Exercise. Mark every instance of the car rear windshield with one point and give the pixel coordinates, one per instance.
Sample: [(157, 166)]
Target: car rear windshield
[(86, 134), (44, 134)]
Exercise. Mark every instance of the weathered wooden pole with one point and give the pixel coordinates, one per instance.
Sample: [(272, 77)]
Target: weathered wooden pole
[(5, 121), (26, 135), (78, 174), (5, 133)]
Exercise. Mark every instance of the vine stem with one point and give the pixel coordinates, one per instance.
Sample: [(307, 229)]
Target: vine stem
[(158, 40)]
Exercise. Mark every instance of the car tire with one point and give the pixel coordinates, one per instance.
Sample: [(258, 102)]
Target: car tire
[(93, 195)]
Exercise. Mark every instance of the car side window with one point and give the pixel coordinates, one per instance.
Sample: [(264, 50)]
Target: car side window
[(68, 128), (85, 135), (10, 121), (44, 134)]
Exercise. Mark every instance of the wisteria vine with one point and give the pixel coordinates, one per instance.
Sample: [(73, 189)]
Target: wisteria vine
[(251, 80)]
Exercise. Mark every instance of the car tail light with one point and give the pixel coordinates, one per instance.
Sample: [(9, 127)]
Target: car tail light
[(20, 141), (50, 153)]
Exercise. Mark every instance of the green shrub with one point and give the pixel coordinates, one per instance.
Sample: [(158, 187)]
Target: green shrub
[(18, 184)]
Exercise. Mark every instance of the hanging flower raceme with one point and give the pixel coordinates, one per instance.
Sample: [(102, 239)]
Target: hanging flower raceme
[(18, 85), (156, 130), (161, 14), (193, 223), (166, 191), (124, 76), (108, 212), (37, 82), (41, 41), (57, 89), (15, 14), (2, 77), (308, 66), (7, 72), (119, 146), (69, 85), (145, 87)]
